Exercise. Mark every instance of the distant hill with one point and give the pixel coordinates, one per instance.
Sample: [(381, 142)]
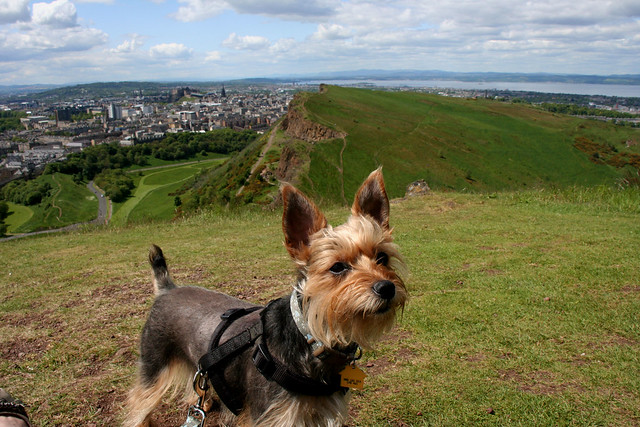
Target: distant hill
[(330, 140)]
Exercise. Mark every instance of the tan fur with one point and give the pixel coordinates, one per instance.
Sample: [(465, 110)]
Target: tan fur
[(306, 411), (341, 311), (174, 377)]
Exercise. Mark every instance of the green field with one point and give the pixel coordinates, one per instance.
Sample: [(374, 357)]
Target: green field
[(69, 203), (152, 199), (18, 215), (155, 162), (453, 143), (523, 311)]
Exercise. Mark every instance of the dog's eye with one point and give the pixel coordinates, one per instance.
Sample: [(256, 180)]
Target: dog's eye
[(339, 268), (382, 258)]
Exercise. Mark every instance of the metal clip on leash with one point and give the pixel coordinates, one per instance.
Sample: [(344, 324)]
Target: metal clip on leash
[(196, 413)]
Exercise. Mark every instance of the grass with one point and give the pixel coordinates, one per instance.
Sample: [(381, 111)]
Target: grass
[(152, 198), (69, 203), (155, 162), (523, 309), (18, 215), (454, 144)]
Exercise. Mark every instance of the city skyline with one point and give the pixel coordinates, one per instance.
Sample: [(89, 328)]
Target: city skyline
[(78, 41)]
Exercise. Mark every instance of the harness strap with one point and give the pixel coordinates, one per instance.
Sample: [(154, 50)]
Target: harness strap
[(214, 361), (274, 370)]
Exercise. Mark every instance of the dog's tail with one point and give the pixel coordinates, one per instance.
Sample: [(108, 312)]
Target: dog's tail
[(161, 279)]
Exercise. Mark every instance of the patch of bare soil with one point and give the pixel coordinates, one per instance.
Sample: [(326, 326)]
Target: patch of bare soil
[(19, 349), (475, 358), (628, 289), (539, 382), (400, 356)]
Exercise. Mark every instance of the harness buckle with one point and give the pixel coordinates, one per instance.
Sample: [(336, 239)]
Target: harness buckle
[(201, 384), (263, 362)]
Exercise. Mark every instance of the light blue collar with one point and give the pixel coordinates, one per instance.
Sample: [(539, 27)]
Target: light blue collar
[(303, 327)]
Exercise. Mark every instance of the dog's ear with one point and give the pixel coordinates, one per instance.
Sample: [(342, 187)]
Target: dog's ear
[(300, 220), (371, 199)]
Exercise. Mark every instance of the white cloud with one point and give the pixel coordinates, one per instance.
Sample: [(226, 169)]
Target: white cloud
[(199, 10), (57, 14), (171, 51), (133, 43), (51, 31), (48, 44), (283, 46), (287, 9), (237, 42), (309, 10), (213, 56), (332, 32), (13, 11)]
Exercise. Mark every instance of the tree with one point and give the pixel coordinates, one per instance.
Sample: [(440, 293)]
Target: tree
[(4, 213)]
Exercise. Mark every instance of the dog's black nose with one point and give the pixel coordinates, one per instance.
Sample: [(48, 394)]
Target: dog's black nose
[(385, 289)]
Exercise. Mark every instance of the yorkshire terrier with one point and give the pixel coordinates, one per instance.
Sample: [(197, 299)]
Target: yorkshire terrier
[(283, 364)]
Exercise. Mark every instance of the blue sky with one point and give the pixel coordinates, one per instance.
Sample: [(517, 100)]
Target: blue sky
[(76, 41)]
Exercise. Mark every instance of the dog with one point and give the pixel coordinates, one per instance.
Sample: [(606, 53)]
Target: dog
[(348, 292)]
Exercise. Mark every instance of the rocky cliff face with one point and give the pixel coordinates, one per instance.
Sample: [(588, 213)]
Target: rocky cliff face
[(296, 126)]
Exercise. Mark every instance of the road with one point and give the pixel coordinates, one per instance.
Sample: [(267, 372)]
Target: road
[(103, 205)]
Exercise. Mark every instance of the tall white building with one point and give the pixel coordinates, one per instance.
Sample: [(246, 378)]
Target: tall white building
[(115, 112)]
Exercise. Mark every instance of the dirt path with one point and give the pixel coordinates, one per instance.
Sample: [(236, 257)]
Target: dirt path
[(53, 201), (266, 148)]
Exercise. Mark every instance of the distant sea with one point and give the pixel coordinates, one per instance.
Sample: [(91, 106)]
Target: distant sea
[(623, 91)]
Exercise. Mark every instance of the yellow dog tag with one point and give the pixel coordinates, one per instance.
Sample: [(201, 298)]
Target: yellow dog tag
[(352, 376)]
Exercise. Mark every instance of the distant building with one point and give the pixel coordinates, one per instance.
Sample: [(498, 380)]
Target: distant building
[(188, 115), (37, 122), (115, 112), (64, 114)]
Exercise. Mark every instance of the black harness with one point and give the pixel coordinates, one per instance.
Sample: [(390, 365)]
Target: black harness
[(217, 358)]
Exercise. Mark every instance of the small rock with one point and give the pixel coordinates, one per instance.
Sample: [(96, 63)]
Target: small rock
[(417, 188), (490, 411)]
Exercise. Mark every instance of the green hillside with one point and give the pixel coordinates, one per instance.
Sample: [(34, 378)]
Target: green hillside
[(452, 143), (64, 202)]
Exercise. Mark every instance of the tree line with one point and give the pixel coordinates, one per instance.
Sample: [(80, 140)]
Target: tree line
[(93, 160), (10, 120)]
